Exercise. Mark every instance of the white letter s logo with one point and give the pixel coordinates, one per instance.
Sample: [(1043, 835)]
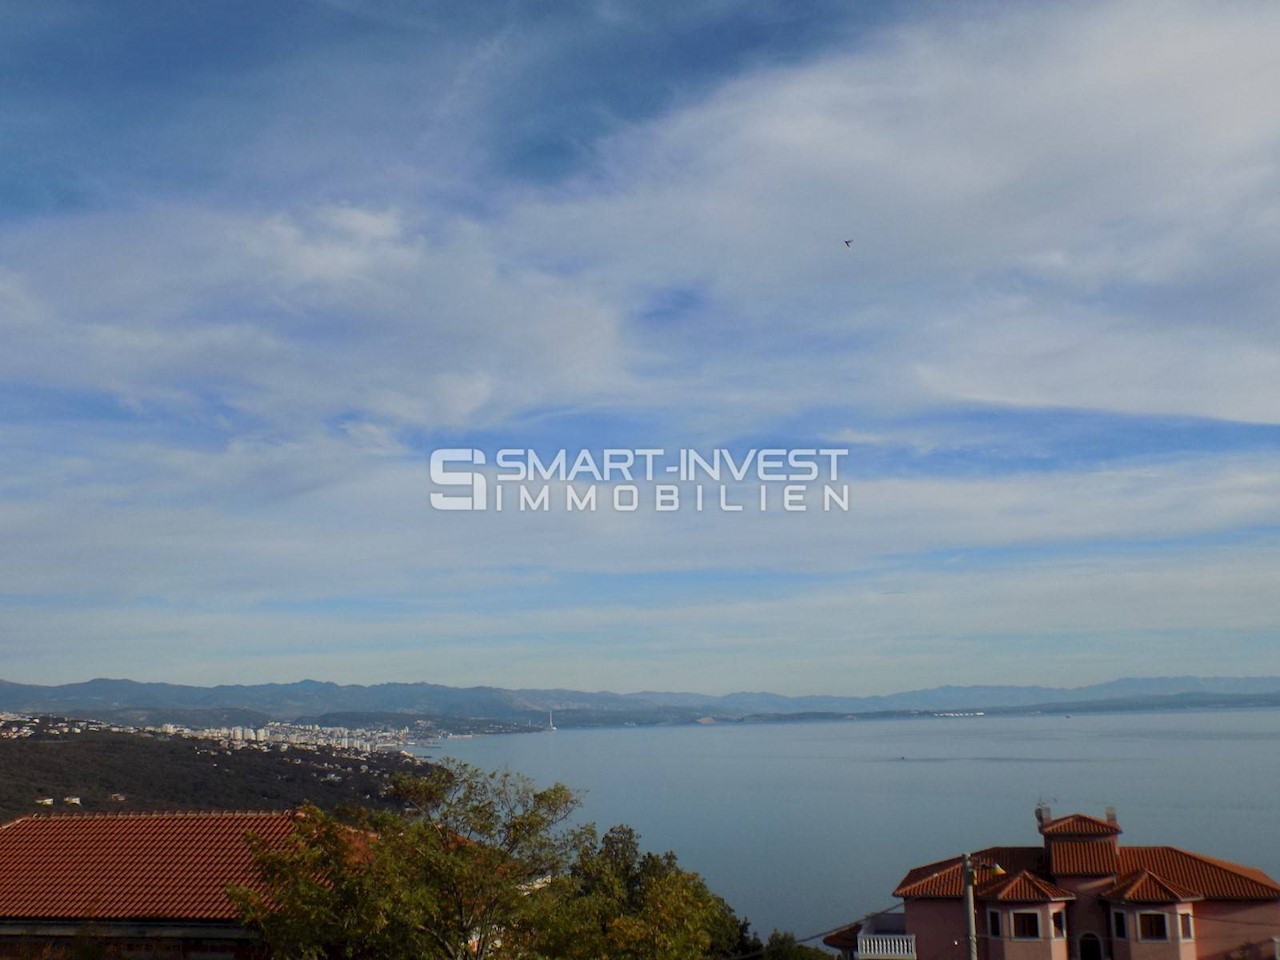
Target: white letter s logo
[(442, 476)]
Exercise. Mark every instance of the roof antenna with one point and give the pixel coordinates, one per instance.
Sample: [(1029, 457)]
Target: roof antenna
[(1043, 812)]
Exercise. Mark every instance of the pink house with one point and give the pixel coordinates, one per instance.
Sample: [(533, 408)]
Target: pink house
[(1080, 896)]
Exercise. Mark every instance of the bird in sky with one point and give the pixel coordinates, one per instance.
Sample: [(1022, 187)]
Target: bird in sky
[(848, 243)]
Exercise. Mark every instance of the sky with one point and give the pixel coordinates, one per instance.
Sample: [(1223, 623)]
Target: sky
[(259, 260)]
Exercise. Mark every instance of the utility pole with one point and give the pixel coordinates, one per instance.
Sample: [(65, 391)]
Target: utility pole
[(969, 923)]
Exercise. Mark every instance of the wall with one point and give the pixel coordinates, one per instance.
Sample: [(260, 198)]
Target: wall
[(1223, 928), (1008, 947), (937, 925)]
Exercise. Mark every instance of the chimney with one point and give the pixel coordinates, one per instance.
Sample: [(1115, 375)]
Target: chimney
[(1111, 815), (1043, 814)]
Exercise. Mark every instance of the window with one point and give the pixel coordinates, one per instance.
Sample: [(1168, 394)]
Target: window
[(1185, 930), (993, 923), (1153, 926), (1059, 923), (1119, 928), (1026, 926)]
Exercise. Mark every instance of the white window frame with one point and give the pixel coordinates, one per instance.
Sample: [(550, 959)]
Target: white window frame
[(995, 930), (1153, 913), (1053, 927), (1013, 924), (1119, 918), (1190, 921)]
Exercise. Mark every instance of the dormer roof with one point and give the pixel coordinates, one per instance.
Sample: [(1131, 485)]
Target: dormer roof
[(1143, 886)]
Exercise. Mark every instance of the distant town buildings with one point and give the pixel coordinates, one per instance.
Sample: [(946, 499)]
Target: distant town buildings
[(358, 740), (353, 743), (277, 733), (1080, 896)]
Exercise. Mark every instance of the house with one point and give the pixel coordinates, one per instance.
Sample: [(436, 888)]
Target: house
[(1081, 895), (141, 884)]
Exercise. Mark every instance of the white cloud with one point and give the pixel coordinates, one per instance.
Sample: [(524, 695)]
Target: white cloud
[(293, 318), (1044, 205), (1075, 621), (1102, 174), (1066, 206)]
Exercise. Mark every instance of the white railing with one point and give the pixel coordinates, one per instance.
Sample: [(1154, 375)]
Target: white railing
[(892, 946)]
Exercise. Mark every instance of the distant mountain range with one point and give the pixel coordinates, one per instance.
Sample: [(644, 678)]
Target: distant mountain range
[(314, 700)]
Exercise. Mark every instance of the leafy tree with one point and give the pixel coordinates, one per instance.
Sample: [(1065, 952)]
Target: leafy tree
[(617, 902), (483, 866), (783, 946), (450, 881)]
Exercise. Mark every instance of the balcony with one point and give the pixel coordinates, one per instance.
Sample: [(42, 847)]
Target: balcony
[(886, 946), (882, 937)]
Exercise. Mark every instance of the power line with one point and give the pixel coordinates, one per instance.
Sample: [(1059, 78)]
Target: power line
[(824, 933)]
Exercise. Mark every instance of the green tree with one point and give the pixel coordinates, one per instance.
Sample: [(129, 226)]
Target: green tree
[(783, 946), (482, 866), (456, 878), (617, 902)]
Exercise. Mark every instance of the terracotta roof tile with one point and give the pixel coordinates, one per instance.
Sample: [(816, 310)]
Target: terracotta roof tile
[(1144, 886), (1174, 873), (845, 938), (943, 879), (1082, 858), (1022, 887), (1079, 825), (1209, 877), (170, 866)]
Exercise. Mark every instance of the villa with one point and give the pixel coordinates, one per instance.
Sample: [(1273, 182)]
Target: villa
[(1080, 896)]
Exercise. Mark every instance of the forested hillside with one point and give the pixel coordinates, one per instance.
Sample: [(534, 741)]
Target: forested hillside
[(177, 773)]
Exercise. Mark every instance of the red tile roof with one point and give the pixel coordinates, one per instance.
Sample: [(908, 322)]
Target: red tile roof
[(130, 866), (1211, 878), (943, 879), (845, 938), (1079, 825), (1083, 858), (1170, 873), (1146, 887), (1022, 887)]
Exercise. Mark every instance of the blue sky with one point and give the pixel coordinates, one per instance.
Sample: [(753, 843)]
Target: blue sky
[(258, 260)]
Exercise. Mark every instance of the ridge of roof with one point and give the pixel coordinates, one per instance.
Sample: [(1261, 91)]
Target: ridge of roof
[(155, 814), (1080, 825), (290, 812)]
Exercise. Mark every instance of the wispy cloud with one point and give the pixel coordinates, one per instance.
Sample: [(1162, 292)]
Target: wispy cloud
[(236, 317)]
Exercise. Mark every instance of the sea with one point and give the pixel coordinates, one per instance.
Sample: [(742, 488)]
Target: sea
[(807, 826)]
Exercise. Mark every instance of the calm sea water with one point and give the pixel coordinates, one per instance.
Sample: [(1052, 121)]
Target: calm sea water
[(805, 826)]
